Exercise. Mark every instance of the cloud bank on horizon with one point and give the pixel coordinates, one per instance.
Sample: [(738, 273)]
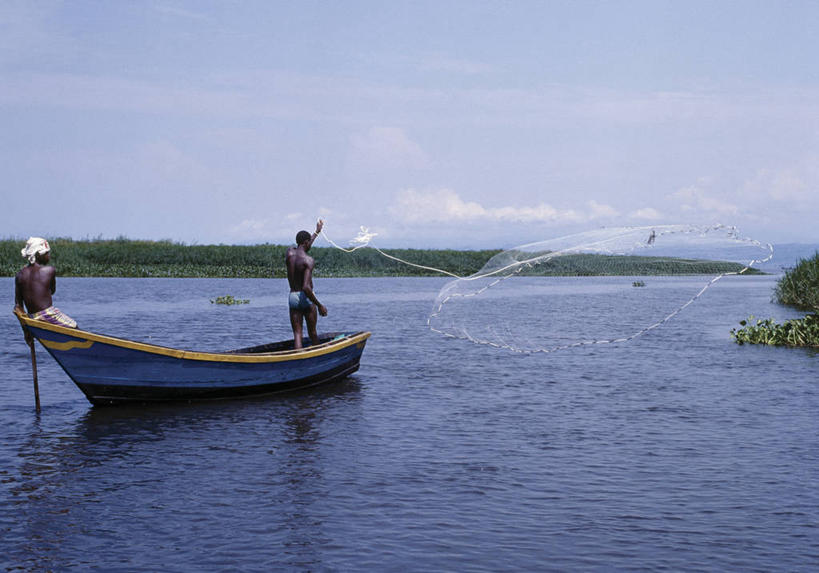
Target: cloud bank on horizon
[(460, 124)]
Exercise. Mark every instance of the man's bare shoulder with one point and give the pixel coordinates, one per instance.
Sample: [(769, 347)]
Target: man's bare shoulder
[(300, 256), (34, 272), (43, 272), (24, 273)]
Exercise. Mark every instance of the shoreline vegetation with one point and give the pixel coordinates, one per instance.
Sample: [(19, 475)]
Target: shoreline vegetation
[(130, 258), (137, 258), (798, 288)]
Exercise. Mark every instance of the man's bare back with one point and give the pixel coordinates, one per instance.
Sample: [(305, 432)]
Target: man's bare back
[(34, 285), (299, 264), (304, 306)]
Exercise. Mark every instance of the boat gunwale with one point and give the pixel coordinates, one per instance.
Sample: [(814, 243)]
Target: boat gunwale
[(328, 347)]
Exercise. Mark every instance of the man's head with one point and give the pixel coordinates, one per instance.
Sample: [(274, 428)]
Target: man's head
[(36, 250), (302, 237)]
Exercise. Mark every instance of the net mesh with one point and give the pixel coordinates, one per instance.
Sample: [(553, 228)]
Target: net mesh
[(604, 286), (599, 287)]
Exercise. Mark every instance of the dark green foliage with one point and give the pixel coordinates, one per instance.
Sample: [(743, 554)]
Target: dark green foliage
[(620, 265), (799, 286), (370, 263), (795, 332), (134, 258), (229, 300)]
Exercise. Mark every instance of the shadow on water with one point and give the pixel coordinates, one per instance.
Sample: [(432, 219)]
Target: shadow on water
[(118, 464)]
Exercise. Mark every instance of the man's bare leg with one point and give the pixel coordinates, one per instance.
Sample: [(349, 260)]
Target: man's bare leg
[(311, 316), (296, 322)]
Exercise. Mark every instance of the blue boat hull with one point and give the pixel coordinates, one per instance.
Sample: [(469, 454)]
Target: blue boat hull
[(109, 394), (110, 370)]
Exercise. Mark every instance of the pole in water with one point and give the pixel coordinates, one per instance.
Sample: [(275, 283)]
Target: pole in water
[(34, 372), (30, 341)]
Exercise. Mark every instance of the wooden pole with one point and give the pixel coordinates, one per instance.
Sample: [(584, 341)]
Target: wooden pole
[(34, 372), (18, 312)]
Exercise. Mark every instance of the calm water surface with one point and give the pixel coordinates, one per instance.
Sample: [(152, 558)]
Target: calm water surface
[(678, 451)]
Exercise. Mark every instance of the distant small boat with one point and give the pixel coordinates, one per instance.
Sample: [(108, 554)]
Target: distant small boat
[(113, 370)]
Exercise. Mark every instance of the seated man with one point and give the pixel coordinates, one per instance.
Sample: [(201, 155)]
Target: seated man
[(36, 282)]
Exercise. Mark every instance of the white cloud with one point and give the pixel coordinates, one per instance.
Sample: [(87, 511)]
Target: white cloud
[(699, 198), (434, 206), (250, 229), (600, 211), (787, 184), (278, 229), (539, 213), (445, 205), (387, 147), (647, 213)]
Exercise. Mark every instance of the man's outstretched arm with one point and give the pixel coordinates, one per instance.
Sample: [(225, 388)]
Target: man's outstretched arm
[(316, 233)]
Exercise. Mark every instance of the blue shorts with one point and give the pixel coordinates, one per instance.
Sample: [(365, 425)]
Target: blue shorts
[(299, 301)]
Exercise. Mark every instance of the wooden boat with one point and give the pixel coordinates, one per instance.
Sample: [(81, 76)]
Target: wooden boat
[(113, 370)]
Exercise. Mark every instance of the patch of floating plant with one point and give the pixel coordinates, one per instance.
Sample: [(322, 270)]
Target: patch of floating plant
[(794, 332), (229, 300)]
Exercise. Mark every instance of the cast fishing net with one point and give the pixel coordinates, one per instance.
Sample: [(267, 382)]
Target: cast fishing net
[(605, 286)]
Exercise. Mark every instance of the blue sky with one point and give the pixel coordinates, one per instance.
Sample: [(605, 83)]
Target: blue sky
[(450, 124)]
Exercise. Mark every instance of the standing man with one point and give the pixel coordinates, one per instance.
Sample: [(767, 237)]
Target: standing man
[(36, 282), (303, 302)]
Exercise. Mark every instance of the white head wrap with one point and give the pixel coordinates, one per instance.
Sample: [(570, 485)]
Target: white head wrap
[(33, 246)]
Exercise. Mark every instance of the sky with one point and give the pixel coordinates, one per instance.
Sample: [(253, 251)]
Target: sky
[(445, 124)]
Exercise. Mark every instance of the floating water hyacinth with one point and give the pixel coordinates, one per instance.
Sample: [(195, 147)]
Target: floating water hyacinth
[(794, 332), (229, 300), (799, 288)]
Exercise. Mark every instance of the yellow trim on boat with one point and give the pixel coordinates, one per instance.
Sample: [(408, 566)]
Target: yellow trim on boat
[(68, 345), (281, 356)]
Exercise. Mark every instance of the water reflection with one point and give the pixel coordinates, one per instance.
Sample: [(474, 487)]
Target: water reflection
[(263, 459)]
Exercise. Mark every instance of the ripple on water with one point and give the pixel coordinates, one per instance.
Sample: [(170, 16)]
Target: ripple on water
[(678, 451)]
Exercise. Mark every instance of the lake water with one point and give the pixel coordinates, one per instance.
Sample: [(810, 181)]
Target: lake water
[(678, 451)]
